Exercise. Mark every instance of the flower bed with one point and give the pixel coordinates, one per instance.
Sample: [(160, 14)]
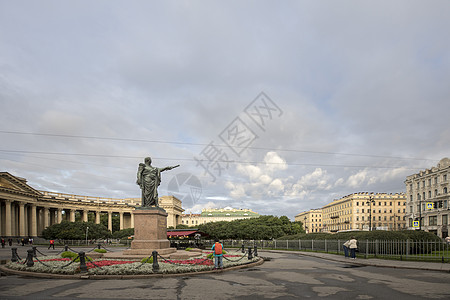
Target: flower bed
[(58, 265)]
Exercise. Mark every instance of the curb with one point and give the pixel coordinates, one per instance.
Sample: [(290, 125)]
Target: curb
[(5, 270)]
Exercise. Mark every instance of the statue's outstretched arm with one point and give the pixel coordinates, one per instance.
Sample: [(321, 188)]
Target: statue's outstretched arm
[(169, 168)]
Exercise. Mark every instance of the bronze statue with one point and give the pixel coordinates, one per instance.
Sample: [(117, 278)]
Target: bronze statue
[(148, 179)]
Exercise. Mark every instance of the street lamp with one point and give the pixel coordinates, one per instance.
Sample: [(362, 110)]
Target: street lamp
[(369, 202), (87, 229)]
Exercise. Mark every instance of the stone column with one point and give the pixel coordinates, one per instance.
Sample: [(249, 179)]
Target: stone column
[(97, 217), (85, 215), (8, 218), (46, 217), (110, 221), (121, 220), (59, 215), (72, 215), (33, 221), (22, 219), (132, 219)]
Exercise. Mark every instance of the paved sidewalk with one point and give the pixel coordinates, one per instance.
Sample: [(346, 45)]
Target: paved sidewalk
[(375, 262)]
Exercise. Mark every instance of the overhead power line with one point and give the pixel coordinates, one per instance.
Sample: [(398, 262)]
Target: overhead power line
[(206, 161), (204, 145)]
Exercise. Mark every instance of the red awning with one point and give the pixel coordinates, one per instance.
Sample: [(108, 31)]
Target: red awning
[(180, 233)]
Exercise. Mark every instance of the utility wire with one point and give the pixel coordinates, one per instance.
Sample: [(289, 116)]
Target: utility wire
[(206, 161), (202, 144)]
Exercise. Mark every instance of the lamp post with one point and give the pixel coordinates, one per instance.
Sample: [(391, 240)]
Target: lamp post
[(87, 230), (370, 201)]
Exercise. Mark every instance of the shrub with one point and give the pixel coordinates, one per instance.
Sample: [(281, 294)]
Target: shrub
[(188, 249), (100, 250), (69, 254), (148, 260)]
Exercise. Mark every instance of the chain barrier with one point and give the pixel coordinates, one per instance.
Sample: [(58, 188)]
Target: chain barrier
[(109, 250), (232, 260), (173, 263), (62, 267), (92, 262), (40, 252), (144, 262)]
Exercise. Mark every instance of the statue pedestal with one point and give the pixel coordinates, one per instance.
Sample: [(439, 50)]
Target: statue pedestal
[(150, 232)]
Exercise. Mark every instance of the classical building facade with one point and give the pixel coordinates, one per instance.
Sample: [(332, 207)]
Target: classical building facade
[(365, 211), (216, 215), (428, 199), (25, 211), (311, 219)]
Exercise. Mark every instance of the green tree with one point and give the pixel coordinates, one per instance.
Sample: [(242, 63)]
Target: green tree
[(75, 231)]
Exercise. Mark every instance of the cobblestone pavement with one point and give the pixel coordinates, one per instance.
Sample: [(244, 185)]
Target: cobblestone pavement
[(285, 275)]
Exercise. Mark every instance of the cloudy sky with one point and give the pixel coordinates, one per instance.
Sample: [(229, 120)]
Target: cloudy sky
[(276, 106)]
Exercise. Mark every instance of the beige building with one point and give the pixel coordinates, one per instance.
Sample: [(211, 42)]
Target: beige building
[(362, 211), (215, 215), (25, 211), (312, 220), (428, 199)]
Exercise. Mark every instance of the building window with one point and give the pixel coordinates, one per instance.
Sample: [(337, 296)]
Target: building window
[(435, 193), (429, 194), (432, 221), (444, 219), (429, 182), (445, 190), (362, 210), (444, 177)]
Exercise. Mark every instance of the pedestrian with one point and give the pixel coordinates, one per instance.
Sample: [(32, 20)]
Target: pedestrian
[(3, 243), (345, 246), (10, 242), (52, 244), (23, 242), (217, 249), (353, 245)]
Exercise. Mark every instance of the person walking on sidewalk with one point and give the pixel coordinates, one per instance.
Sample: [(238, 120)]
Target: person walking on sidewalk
[(353, 245), (52, 244), (217, 249), (345, 246)]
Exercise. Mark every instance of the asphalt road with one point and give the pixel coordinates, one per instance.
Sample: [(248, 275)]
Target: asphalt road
[(283, 276)]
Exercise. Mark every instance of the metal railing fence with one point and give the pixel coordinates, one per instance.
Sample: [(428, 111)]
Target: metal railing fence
[(390, 249)]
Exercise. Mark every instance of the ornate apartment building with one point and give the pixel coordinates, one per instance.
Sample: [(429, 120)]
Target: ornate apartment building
[(215, 215), (311, 219), (365, 211), (428, 199), (25, 211)]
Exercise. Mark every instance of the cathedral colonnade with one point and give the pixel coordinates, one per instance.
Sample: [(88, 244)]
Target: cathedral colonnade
[(26, 212)]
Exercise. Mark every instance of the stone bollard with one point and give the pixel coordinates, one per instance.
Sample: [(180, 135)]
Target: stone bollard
[(30, 256), (155, 261), (83, 267), (250, 253), (66, 248), (255, 251), (34, 251), (243, 248), (99, 246), (14, 255)]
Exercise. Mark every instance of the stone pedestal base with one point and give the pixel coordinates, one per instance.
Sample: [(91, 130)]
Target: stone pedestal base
[(150, 232)]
